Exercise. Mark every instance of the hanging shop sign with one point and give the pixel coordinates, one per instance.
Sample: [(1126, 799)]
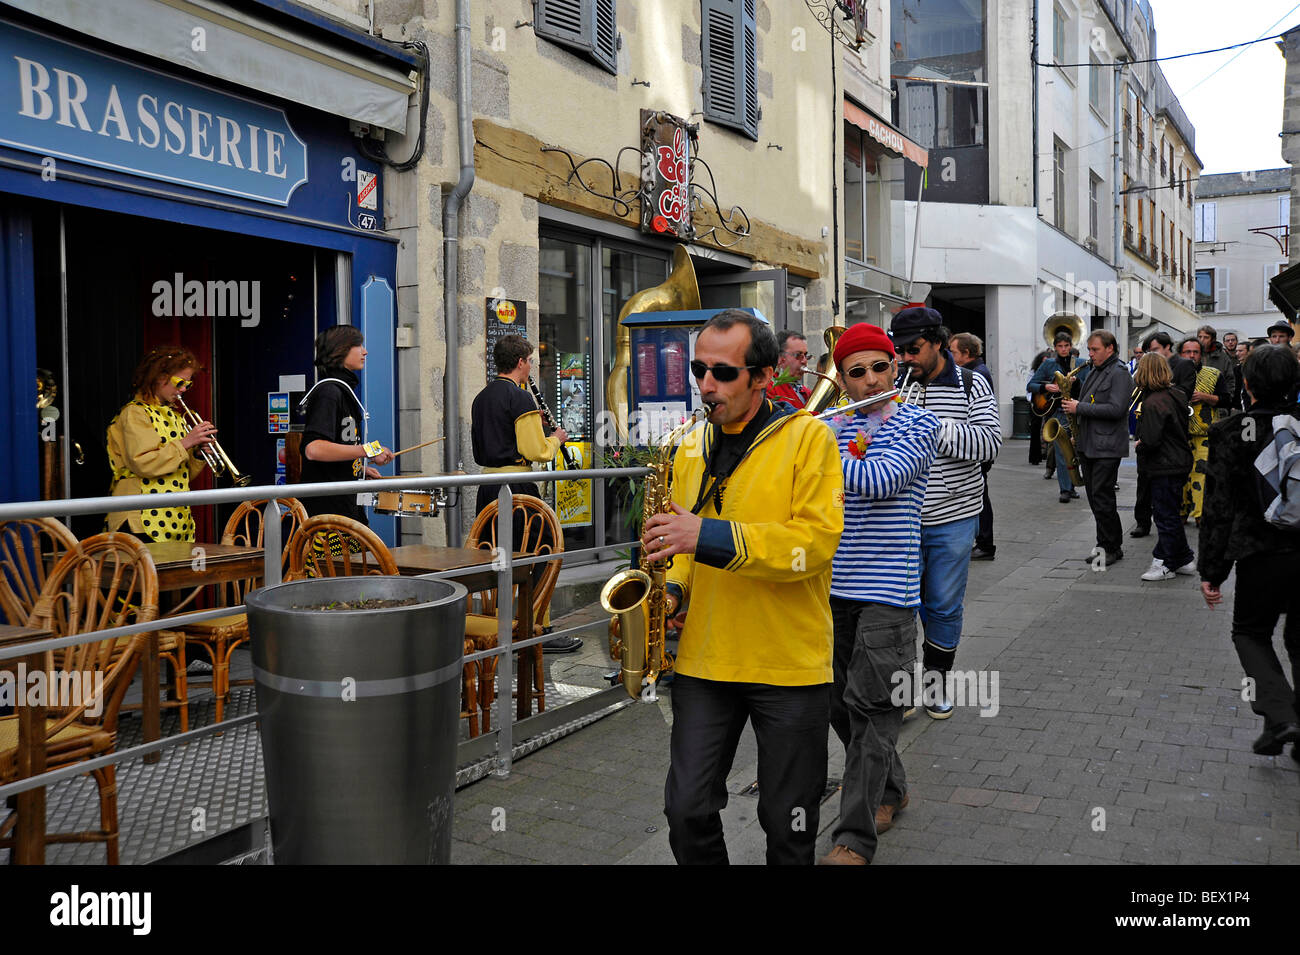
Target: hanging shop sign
[(63, 101), (667, 143)]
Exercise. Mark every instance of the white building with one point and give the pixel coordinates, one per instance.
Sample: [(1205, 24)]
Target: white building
[(1242, 237), (1021, 104)]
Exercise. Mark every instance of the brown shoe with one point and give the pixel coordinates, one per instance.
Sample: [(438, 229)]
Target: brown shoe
[(842, 855), (885, 815)]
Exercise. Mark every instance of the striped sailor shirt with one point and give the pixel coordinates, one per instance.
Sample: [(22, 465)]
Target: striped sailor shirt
[(970, 435), (879, 557)]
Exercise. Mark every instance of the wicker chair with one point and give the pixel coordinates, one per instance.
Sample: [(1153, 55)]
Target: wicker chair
[(109, 582), (539, 533), (331, 545), (28, 550), (219, 638)]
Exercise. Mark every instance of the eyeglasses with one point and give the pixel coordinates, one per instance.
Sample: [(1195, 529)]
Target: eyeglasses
[(721, 373), (181, 383), (912, 350), (877, 368), (800, 355)]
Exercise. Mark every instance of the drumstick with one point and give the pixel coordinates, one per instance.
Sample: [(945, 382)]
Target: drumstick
[(418, 446)]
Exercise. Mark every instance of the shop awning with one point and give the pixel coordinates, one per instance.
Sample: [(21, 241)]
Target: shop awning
[(355, 81), (1284, 291), (887, 135)]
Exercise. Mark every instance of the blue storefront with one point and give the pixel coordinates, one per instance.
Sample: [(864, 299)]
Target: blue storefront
[(150, 197)]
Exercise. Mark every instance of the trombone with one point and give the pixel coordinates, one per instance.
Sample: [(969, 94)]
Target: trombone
[(213, 455)]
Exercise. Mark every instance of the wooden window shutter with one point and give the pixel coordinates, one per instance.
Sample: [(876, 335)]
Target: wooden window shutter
[(586, 26), (730, 48)]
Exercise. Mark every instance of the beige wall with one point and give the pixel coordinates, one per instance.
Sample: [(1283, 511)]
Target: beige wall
[(528, 92)]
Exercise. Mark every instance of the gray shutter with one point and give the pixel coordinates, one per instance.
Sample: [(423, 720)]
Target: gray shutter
[(587, 26), (604, 39), (730, 47)]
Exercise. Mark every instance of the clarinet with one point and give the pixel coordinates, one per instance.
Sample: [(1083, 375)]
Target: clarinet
[(569, 463)]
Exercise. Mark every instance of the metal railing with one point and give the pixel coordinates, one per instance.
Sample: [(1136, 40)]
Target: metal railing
[(503, 562)]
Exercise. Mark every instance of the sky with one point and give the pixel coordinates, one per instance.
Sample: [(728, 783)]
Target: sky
[(1237, 112)]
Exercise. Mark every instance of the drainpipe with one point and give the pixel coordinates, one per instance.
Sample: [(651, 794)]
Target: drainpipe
[(1121, 320), (451, 261)]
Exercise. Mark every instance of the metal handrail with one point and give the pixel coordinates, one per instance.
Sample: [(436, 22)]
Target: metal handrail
[(271, 572)]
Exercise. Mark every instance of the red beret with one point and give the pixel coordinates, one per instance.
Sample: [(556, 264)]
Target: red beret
[(862, 337)]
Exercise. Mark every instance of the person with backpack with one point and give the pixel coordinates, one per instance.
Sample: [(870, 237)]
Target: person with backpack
[(970, 434), (1251, 519), (1164, 458)]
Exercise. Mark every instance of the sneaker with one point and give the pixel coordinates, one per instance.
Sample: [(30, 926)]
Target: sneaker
[(1158, 571), (1187, 570), (842, 855), (562, 645), (885, 815)]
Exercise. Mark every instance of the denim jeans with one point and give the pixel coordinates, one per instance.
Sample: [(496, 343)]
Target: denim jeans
[(1062, 472), (875, 654), (1171, 541), (945, 562)]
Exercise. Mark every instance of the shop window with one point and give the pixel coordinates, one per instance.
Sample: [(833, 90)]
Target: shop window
[(587, 26), (854, 225), (730, 48)]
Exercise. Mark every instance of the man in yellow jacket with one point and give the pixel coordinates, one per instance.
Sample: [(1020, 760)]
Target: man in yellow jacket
[(758, 507)]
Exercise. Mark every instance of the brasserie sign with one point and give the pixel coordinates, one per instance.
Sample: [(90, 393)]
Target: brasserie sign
[(667, 142), (65, 101)]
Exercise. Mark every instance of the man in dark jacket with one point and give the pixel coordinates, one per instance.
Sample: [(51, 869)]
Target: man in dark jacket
[(1042, 384), (1101, 412), (1234, 530)]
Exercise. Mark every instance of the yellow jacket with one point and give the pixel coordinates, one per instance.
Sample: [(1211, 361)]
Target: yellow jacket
[(144, 450), (757, 588)]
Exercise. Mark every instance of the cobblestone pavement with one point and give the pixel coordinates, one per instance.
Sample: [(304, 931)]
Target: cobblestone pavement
[(1120, 733)]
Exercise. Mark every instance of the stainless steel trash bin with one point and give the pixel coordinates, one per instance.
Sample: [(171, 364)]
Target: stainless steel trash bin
[(359, 714)]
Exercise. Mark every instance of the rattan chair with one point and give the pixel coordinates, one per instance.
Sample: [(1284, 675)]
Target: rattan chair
[(331, 545), (28, 550), (109, 582), (538, 531), (219, 638)]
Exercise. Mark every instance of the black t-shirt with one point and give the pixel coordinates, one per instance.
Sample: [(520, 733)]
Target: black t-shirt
[(334, 414), (492, 423)]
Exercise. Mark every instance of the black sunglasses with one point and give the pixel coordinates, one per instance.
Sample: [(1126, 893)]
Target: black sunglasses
[(877, 368), (912, 350), (722, 373)]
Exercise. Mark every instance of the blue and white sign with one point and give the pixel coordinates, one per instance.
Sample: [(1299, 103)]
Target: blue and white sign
[(61, 100)]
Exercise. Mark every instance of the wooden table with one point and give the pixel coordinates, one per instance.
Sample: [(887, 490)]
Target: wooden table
[(29, 837), (415, 559), (175, 563)]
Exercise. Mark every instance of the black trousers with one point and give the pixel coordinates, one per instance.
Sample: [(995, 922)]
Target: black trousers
[(1142, 506), (1266, 589), (1099, 475), (790, 724), (984, 534), (875, 663)]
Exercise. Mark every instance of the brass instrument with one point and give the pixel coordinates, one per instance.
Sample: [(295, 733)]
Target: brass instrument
[(827, 391), (637, 598), (1063, 436), (212, 453), (892, 394), (679, 291), (907, 394), (1066, 322)]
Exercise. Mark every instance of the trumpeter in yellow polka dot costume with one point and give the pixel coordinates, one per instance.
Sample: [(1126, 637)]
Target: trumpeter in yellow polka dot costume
[(150, 449)]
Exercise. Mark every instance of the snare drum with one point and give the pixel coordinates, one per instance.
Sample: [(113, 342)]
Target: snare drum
[(408, 503)]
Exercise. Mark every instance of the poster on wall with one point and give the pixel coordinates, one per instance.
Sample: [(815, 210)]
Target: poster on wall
[(572, 384), (505, 316), (573, 498), (647, 369)]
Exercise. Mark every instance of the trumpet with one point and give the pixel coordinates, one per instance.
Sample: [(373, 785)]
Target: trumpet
[(212, 453)]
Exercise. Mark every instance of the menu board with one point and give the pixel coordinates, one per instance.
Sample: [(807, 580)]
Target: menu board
[(505, 316)]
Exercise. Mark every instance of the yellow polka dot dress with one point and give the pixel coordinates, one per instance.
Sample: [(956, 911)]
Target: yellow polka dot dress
[(144, 450)]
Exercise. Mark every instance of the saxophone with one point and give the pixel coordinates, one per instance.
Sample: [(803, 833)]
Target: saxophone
[(1063, 437), (636, 599)]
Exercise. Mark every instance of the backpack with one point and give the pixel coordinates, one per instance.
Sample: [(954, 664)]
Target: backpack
[(1279, 464)]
